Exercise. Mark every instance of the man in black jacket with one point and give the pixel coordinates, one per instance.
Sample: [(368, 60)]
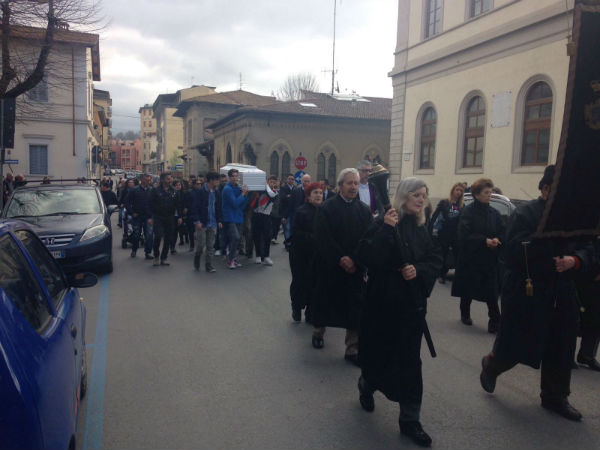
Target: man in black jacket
[(205, 213), (108, 196), (539, 307), (296, 200), (138, 205), (164, 202), (285, 195)]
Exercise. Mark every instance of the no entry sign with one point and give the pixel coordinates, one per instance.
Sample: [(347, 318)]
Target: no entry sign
[(301, 162)]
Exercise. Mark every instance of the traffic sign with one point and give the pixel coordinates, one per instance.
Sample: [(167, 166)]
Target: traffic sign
[(298, 176), (301, 162), (11, 161)]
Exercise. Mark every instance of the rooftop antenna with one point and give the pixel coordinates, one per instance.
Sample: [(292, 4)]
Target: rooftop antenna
[(333, 62)]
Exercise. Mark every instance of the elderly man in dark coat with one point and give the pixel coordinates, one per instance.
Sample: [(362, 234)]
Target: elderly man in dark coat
[(339, 224), (539, 307)]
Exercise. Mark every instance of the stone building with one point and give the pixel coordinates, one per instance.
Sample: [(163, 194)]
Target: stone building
[(148, 137), (320, 135), (198, 113), (479, 90)]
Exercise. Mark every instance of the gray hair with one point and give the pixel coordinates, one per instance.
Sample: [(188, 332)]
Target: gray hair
[(363, 163), (405, 188), (344, 172)]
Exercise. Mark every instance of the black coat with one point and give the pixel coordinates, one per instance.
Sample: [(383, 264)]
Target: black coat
[(109, 197), (302, 256), (198, 205), (588, 290), (285, 192), (296, 200), (476, 275), (338, 227), (527, 321), (393, 314), (138, 201), (165, 203)]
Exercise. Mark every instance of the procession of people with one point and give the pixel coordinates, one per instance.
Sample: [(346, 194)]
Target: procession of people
[(367, 264)]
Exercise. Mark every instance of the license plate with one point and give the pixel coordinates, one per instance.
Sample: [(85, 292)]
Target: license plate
[(58, 254)]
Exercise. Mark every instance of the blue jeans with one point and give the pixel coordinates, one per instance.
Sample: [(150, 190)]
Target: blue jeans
[(287, 229), (140, 224), (233, 232)]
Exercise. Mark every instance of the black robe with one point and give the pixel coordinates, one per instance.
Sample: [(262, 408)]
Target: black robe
[(393, 314), (588, 290), (476, 275), (302, 255), (544, 325), (338, 227)]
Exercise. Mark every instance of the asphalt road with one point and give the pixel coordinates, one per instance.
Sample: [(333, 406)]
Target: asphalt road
[(184, 359)]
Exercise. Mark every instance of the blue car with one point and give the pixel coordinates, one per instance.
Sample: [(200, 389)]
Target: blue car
[(42, 344)]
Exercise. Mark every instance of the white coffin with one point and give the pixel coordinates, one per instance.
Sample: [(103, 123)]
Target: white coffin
[(251, 176)]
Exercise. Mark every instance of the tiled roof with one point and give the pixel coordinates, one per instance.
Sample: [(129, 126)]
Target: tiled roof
[(319, 104), (235, 98)]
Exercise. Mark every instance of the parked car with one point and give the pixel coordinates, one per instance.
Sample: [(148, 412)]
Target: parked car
[(71, 220), (43, 372), (500, 203)]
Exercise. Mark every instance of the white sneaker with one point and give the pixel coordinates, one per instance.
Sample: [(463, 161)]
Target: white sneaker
[(258, 260), (218, 253), (268, 261)]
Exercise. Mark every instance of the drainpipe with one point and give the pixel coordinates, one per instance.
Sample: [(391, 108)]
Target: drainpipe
[(73, 94)]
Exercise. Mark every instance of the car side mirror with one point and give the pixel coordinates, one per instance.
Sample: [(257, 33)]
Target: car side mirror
[(83, 280), (112, 208)]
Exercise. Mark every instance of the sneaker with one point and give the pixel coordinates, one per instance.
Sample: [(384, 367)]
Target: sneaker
[(268, 261), (164, 263), (156, 262), (258, 260), (173, 251), (237, 264), (218, 253), (231, 264), (210, 269), (148, 256)]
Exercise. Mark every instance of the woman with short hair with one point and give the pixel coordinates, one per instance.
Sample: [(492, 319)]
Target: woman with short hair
[(403, 263), (480, 234)]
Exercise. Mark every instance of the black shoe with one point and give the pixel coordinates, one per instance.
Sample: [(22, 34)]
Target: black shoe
[(163, 262), (173, 251), (415, 431), (493, 326), (592, 363), (562, 407), (365, 395), (466, 320), (148, 256), (197, 262), (133, 252), (488, 381), (210, 269), (296, 315), (318, 342), (353, 359)]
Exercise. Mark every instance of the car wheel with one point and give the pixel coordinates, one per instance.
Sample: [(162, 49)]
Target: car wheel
[(83, 383)]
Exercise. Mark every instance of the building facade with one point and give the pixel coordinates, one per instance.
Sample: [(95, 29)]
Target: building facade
[(148, 137), (198, 113), (319, 135), (54, 132), (103, 122), (169, 128), (479, 91), (130, 154)]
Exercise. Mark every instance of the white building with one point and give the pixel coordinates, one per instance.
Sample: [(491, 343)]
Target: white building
[(479, 90), (54, 133)]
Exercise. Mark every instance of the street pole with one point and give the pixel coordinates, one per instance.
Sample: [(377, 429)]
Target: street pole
[(2, 152)]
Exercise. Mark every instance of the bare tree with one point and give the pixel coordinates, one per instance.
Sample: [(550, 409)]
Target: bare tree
[(38, 21), (297, 85)]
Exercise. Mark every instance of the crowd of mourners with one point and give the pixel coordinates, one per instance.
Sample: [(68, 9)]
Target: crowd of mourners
[(367, 264)]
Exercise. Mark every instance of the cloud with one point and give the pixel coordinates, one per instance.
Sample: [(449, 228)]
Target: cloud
[(152, 47)]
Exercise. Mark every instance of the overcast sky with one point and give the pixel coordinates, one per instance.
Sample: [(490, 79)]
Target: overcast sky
[(153, 47)]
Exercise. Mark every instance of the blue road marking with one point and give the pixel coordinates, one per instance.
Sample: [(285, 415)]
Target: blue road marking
[(94, 419)]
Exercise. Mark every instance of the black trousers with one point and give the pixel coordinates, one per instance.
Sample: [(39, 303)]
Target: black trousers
[(164, 229), (493, 309), (261, 234)]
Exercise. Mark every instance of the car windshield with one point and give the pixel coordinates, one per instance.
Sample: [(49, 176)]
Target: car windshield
[(40, 202)]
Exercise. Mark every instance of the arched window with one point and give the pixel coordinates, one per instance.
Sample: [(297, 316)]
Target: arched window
[(428, 131), (228, 156), (474, 133), (274, 169), (537, 123), (320, 167), (285, 164), (332, 169)]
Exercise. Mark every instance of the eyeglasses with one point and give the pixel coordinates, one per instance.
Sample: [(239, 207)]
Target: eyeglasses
[(365, 170)]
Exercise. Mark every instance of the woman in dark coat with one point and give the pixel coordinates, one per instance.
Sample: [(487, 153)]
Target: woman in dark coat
[(588, 290), (445, 225), (302, 253), (480, 234), (403, 264)]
